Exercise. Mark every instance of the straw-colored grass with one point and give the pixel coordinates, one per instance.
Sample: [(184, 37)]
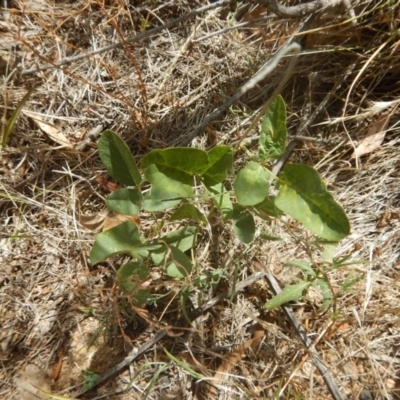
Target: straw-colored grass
[(57, 310)]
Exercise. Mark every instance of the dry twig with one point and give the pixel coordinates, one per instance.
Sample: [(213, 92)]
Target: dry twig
[(301, 10)]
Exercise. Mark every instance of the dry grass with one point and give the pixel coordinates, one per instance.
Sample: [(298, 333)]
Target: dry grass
[(154, 92)]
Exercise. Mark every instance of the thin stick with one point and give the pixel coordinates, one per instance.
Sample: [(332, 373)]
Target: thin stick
[(292, 145), (300, 10), (262, 74), (265, 70)]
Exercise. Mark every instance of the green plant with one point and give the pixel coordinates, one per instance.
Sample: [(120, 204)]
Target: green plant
[(90, 379), (191, 183), (7, 127)]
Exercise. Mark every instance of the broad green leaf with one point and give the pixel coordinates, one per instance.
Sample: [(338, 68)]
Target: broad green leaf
[(305, 198), (158, 200), (222, 200), (289, 293), (272, 142), (186, 211), (130, 274), (177, 263), (142, 251), (182, 238), (158, 255), (243, 224), (304, 266), (186, 159), (118, 160), (9, 126), (220, 161), (169, 179), (125, 201), (252, 184), (267, 208), (172, 170), (121, 239)]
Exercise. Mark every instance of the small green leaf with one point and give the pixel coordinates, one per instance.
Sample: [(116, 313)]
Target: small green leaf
[(304, 266), (140, 297), (272, 142), (118, 160), (182, 239), (125, 201), (130, 274), (243, 224), (222, 200), (91, 379), (252, 184), (220, 161), (267, 208), (350, 281), (158, 200), (179, 266), (123, 238), (342, 262), (132, 268), (192, 372), (186, 211), (326, 294), (289, 293), (158, 255), (140, 252), (305, 198), (176, 262), (9, 126)]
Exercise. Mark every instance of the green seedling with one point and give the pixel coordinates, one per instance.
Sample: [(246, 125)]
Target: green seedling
[(187, 184), (9, 125)]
